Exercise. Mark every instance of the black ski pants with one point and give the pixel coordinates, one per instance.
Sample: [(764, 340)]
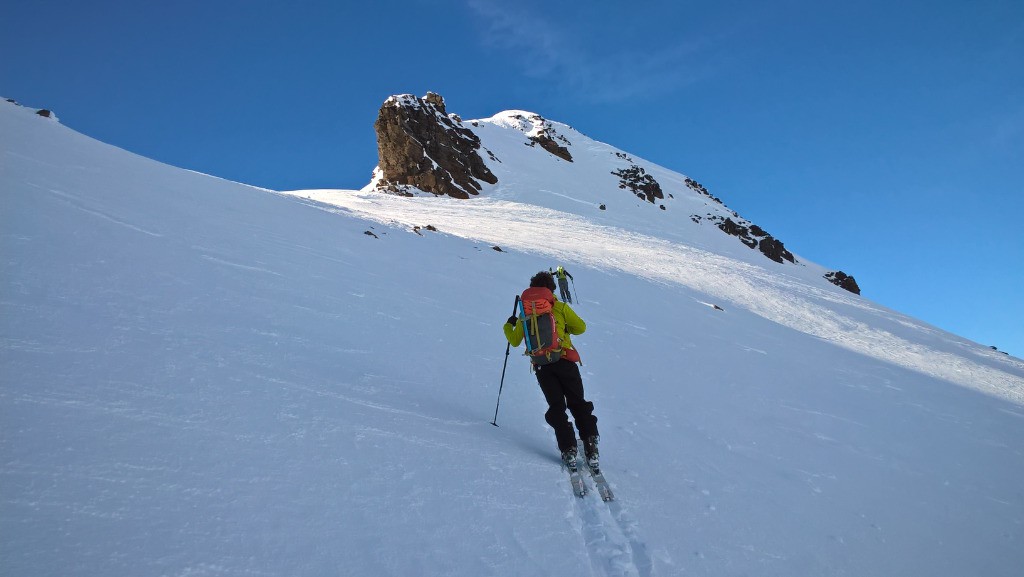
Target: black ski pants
[(562, 386)]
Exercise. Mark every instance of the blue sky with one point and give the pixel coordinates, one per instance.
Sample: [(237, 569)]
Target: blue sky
[(885, 139)]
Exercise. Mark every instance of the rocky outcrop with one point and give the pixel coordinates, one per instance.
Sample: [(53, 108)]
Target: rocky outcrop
[(547, 143), (541, 131), (699, 188), (636, 179), (751, 235), (843, 281), (420, 145)]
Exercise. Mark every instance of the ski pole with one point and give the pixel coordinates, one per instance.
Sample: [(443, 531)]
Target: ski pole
[(574, 290), (508, 347)]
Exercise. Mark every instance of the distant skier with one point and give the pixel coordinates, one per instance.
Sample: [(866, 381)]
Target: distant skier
[(563, 285), (557, 374)]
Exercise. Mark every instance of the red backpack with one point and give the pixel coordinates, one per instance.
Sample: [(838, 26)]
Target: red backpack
[(536, 311)]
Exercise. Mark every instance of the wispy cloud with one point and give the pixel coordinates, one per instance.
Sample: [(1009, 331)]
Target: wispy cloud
[(535, 40), (569, 56)]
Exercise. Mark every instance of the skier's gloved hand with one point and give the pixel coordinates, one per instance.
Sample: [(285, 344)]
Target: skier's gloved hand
[(512, 320)]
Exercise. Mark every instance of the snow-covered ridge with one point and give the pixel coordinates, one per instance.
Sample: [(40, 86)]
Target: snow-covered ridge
[(523, 156), (529, 123)]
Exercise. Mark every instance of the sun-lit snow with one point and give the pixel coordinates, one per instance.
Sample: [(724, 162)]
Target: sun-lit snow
[(205, 378), (633, 237)]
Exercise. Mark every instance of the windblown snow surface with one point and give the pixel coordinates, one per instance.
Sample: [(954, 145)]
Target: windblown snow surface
[(199, 377)]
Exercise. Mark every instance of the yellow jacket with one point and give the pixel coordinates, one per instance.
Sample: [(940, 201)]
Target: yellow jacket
[(568, 323)]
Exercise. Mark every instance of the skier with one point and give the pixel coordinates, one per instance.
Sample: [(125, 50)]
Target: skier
[(563, 285), (560, 381)]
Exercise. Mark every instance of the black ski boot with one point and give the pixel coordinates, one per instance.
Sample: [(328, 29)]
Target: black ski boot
[(590, 451), (569, 459)]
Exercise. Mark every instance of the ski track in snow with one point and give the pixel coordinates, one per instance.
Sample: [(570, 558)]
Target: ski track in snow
[(610, 536), (74, 202), (780, 298)]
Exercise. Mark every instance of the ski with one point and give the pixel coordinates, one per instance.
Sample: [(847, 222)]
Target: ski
[(603, 488), (579, 486)]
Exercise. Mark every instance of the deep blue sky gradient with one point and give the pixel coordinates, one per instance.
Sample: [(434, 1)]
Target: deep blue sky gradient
[(885, 139)]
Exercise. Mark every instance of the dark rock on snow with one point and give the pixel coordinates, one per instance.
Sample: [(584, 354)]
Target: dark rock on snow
[(643, 185), (843, 281), (420, 145)]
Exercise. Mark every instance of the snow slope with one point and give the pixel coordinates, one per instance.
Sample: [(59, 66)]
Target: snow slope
[(550, 208), (205, 378)]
